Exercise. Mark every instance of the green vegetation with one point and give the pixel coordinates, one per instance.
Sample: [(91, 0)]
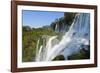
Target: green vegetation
[(29, 41), (69, 17)]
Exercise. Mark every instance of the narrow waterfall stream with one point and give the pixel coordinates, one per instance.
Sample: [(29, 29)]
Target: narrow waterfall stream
[(74, 38)]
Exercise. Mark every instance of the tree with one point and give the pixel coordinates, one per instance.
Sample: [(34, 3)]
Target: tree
[(26, 28)]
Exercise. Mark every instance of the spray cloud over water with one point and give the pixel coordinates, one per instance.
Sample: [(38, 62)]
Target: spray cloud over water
[(71, 42)]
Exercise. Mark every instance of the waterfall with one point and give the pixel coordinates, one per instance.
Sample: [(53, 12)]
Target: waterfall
[(77, 35), (42, 52), (38, 58), (56, 28), (49, 44)]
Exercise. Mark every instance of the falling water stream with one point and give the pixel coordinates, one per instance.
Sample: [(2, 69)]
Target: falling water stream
[(71, 42)]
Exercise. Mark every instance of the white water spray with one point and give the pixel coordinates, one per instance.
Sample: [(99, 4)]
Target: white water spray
[(78, 35)]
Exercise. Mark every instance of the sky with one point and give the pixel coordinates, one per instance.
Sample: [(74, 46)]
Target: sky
[(38, 19)]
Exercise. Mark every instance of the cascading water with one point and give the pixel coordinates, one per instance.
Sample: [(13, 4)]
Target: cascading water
[(78, 35), (44, 49)]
